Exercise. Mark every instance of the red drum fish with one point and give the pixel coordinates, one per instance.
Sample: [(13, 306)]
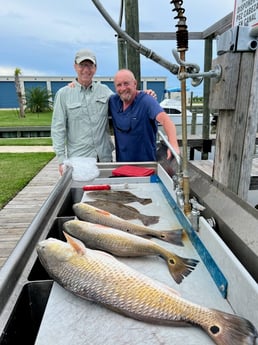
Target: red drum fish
[(97, 276), (98, 216), (122, 244), (123, 211)]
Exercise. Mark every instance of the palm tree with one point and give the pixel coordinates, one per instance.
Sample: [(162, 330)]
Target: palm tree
[(20, 96), (38, 100)]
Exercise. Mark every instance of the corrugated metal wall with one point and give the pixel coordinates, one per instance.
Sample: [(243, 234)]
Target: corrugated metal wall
[(8, 97)]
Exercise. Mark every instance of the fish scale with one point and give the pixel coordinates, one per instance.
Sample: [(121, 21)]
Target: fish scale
[(103, 279)]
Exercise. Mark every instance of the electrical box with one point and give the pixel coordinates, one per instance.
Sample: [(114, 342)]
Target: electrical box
[(237, 39)]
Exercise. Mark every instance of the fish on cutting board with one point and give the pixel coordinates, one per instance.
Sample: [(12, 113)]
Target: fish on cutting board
[(124, 197), (123, 211), (96, 215), (97, 276), (120, 243)]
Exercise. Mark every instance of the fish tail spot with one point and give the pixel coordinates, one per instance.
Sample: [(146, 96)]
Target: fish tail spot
[(172, 236), (180, 267), (172, 261), (231, 329), (214, 329)]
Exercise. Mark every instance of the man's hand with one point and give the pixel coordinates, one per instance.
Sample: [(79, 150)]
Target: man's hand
[(151, 93), (72, 84), (61, 169)]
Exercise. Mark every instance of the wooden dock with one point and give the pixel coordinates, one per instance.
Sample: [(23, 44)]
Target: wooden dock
[(18, 214)]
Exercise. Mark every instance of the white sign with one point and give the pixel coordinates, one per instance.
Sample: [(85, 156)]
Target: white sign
[(245, 13)]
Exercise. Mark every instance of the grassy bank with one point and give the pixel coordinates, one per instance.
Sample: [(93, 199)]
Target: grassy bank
[(17, 169), (10, 118), (25, 142)]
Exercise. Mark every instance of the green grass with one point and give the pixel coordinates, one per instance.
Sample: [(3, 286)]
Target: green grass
[(17, 169), (10, 118), (25, 141)]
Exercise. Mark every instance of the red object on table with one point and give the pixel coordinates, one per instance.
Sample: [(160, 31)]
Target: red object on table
[(132, 171), (96, 187)]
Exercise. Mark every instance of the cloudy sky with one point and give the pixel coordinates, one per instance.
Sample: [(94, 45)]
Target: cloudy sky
[(41, 37)]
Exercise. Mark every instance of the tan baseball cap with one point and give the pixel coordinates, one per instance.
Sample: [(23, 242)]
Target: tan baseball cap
[(85, 54)]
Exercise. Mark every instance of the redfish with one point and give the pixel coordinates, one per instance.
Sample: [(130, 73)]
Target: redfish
[(96, 215), (100, 277), (123, 211), (123, 244)]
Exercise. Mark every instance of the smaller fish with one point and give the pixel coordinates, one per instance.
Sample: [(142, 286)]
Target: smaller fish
[(96, 215), (122, 244), (124, 211), (117, 195)]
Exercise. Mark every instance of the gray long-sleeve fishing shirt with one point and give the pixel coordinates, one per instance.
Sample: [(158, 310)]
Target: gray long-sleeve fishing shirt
[(80, 123)]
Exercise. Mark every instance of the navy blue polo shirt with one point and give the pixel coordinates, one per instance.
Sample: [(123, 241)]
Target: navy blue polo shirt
[(135, 129)]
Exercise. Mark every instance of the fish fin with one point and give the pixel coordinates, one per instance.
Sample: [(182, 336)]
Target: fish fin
[(180, 267), (227, 329), (148, 220), (145, 201), (106, 213), (75, 243), (172, 236)]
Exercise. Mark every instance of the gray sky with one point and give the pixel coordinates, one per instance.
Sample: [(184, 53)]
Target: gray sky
[(41, 37)]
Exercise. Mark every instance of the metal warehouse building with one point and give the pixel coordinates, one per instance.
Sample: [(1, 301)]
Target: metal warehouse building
[(8, 97)]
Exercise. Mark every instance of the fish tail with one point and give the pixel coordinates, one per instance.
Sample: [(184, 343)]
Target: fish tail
[(180, 267), (148, 220), (227, 329), (172, 236), (145, 201)]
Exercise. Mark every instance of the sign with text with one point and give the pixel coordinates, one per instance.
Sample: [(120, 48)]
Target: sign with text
[(245, 13)]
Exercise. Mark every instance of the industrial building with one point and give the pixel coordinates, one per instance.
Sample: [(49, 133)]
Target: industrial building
[(8, 96)]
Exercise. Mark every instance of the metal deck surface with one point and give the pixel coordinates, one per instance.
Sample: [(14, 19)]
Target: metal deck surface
[(69, 319)]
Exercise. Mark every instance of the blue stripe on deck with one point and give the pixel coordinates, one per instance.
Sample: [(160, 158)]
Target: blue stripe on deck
[(215, 272)]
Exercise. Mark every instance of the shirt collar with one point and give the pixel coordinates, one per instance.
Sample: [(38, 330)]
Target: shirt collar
[(90, 87)]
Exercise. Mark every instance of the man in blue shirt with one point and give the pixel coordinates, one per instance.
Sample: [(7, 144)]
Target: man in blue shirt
[(135, 117)]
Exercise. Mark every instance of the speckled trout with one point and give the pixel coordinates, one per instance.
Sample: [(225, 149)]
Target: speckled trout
[(100, 277), (120, 243), (96, 215)]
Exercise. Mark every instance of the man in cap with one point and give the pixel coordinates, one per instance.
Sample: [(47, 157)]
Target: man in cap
[(80, 125)]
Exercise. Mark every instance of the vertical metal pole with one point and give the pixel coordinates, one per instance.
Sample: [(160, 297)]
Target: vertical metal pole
[(186, 186), (182, 46)]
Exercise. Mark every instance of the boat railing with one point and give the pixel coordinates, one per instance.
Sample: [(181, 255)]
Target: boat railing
[(175, 154), (178, 177)]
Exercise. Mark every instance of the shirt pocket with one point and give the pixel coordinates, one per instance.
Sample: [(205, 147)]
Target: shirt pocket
[(74, 110), (123, 123), (98, 109)]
